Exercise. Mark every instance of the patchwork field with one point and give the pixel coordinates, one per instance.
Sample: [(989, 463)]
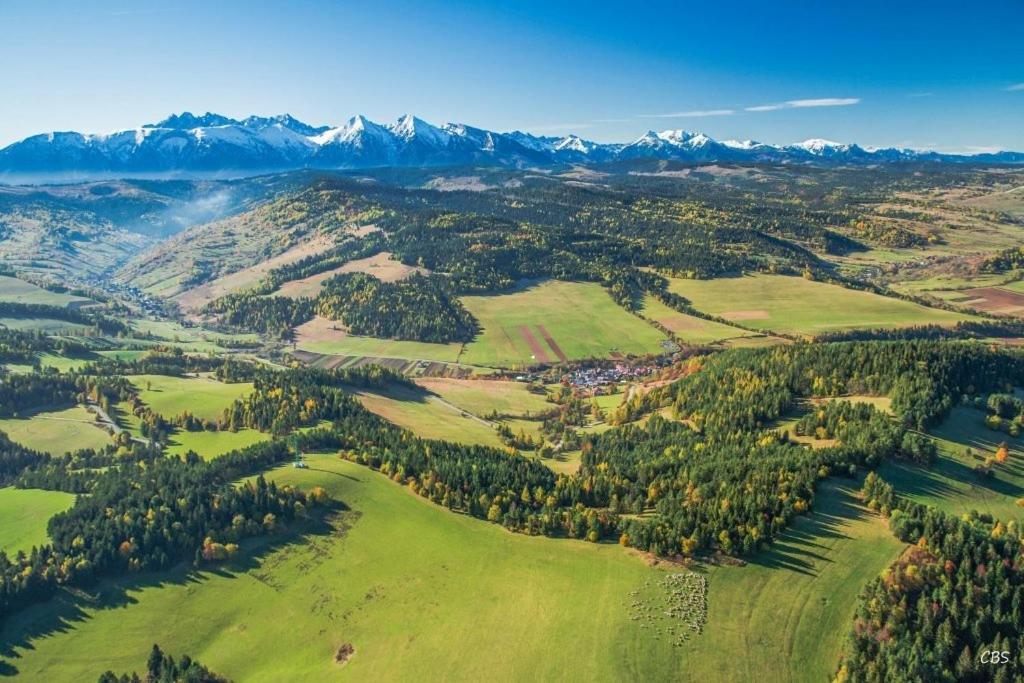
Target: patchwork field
[(24, 514), (390, 577), (995, 300), (552, 321), (22, 292), (381, 266), (482, 397), (204, 397), (952, 484), (58, 431), (794, 305)]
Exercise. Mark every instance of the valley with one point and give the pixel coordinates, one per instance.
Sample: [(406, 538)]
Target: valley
[(364, 428)]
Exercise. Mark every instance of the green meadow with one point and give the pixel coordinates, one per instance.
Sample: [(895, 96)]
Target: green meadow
[(951, 484), (390, 575), (428, 417), (794, 305), (580, 317), (22, 292), (483, 397), (204, 397), (57, 431), (24, 514)]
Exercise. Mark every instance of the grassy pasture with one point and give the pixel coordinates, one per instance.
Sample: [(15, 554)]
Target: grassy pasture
[(22, 292), (24, 514), (688, 328), (951, 484), (580, 317), (389, 576), (482, 397), (428, 417), (325, 336), (46, 325), (794, 305), (210, 445), (57, 431), (204, 397)]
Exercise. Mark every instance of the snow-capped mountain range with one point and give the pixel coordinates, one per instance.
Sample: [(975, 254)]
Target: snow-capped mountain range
[(215, 143)]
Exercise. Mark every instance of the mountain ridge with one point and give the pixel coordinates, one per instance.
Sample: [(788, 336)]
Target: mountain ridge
[(212, 142)]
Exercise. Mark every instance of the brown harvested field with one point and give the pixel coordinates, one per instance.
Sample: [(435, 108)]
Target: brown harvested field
[(381, 266), (994, 300), (745, 315), (552, 343), (197, 297), (539, 354)]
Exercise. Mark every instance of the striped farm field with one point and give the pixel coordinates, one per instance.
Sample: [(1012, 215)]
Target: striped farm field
[(553, 321)]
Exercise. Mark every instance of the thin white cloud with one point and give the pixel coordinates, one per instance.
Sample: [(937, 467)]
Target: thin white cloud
[(804, 104), (824, 102), (698, 113), (1015, 87)]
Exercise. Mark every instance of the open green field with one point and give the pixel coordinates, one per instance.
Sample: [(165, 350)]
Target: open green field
[(427, 416), (688, 328), (209, 445), (22, 292), (951, 484), (579, 318), (46, 325), (24, 514), (57, 431), (794, 305), (204, 397), (482, 397), (390, 576), (785, 615)]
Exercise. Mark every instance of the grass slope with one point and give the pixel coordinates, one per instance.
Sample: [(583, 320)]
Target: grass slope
[(951, 484), (689, 328), (204, 397), (794, 305), (427, 416), (394, 585), (57, 431), (22, 292), (580, 317), (24, 514), (784, 616), (390, 576), (482, 397)]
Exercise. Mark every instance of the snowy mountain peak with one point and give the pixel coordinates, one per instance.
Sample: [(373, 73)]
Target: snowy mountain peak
[(821, 146), (211, 142), (187, 121), (409, 127)]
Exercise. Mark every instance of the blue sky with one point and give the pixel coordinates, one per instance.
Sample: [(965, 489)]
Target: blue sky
[(943, 75)]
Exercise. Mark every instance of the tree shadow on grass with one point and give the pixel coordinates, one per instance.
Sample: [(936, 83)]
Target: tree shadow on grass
[(802, 547), (71, 607)]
